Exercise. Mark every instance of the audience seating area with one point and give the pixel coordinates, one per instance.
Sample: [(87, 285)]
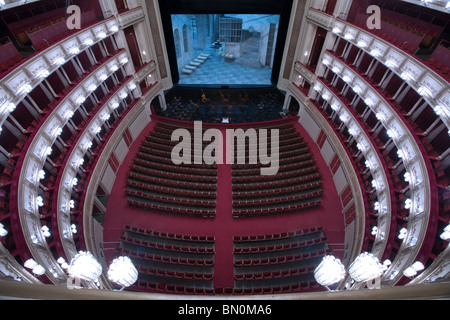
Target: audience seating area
[(38, 28), (420, 33), (176, 263), (405, 31), (296, 186), (169, 262), (212, 105), (439, 60), (43, 36), (10, 55), (156, 183), (263, 264), (279, 263), (22, 27)]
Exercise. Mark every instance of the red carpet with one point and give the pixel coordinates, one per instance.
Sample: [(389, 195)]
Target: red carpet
[(224, 246), (223, 227)]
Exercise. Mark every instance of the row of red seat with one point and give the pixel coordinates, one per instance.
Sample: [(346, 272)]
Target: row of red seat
[(171, 191), (275, 192), (175, 168), (169, 235), (158, 157), (283, 161), (279, 210), (266, 247), (295, 163), (236, 165), (174, 176), (175, 274), (165, 130), (165, 246), (274, 274), (271, 185), (279, 176), (166, 209), (172, 200), (390, 32), (10, 63), (132, 254), (276, 201), (19, 23), (168, 141), (439, 61), (162, 287), (166, 149), (166, 153), (277, 236), (57, 30), (407, 25), (283, 144), (281, 169), (282, 259), (172, 183)]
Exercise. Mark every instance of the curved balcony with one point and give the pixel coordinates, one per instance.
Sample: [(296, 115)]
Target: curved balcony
[(375, 163), (25, 185), (433, 87), (66, 181), (424, 199), (28, 75), (15, 85)]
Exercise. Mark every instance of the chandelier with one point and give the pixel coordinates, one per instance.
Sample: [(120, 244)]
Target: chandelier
[(122, 272), (329, 271), (365, 267), (36, 268), (85, 267)]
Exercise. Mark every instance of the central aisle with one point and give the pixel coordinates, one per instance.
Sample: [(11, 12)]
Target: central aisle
[(223, 264)]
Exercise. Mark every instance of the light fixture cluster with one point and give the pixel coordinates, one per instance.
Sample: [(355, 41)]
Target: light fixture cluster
[(36, 268), (439, 3), (84, 266), (366, 267)]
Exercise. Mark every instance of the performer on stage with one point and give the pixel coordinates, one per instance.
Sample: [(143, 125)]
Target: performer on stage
[(203, 97)]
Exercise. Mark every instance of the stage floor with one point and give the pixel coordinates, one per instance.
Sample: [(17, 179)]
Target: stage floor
[(216, 70)]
